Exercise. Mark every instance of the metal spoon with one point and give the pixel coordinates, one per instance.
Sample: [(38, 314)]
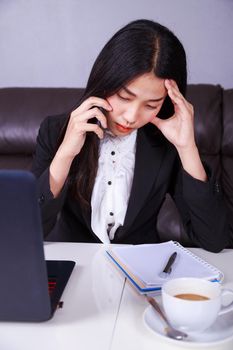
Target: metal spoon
[(170, 331)]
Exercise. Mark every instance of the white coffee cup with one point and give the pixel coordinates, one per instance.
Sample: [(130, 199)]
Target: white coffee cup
[(189, 314)]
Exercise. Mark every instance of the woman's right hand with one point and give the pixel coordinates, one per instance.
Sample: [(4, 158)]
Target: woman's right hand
[(74, 139), (78, 125)]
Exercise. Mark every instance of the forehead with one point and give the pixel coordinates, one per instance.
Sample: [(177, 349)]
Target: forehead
[(147, 86)]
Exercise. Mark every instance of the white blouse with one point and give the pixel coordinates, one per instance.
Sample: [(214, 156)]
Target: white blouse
[(113, 184)]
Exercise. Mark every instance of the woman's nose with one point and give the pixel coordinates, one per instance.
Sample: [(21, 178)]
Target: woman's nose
[(130, 116)]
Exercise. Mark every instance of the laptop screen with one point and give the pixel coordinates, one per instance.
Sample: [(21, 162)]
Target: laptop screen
[(24, 292)]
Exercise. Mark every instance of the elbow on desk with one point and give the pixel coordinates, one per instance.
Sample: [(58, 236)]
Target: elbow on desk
[(217, 243), (214, 249)]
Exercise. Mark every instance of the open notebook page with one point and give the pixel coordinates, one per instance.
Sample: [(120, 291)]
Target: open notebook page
[(146, 261)]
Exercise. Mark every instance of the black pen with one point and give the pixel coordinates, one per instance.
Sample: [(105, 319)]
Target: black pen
[(168, 267)]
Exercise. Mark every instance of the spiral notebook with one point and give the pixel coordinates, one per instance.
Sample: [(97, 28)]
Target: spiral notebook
[(142, 264)]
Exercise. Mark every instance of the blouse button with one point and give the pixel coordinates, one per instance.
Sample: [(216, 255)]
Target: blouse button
[(112, 153), (109, 182), (111, 213)]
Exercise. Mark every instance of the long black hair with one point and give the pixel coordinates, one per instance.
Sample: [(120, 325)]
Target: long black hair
[(142, 46)]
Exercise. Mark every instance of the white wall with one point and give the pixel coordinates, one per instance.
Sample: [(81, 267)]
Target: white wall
[(55, 42)]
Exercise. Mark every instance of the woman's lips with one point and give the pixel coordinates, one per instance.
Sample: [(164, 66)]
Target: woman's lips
[(122, 128)]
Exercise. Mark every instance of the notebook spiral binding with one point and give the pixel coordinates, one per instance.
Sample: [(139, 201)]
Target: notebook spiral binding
[(210, 266)]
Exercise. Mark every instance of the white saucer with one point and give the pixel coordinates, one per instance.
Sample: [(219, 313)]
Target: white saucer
[(220, 332)]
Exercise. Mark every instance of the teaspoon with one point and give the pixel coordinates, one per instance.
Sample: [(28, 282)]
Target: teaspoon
[(170, 331)]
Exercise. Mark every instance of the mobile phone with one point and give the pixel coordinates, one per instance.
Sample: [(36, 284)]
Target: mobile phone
[(96, 121)]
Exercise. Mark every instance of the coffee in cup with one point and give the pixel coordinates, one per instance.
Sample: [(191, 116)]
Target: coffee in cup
[(191, 296), (193, 304)]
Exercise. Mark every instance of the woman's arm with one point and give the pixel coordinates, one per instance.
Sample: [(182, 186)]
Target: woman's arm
[(51, 165), (198, 198), (179, 130), (202, 210), (45, 150), (74, 139)]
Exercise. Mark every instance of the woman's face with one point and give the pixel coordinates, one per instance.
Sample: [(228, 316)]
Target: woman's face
[(136, 104)]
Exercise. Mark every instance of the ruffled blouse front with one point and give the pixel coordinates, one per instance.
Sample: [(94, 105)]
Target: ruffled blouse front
[(113, 184)]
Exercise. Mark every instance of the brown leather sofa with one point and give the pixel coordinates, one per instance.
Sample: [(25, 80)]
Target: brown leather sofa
[(23, 109)]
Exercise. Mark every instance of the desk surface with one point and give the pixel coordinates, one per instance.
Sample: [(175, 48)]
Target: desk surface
[(91, 302), (101, 310), (132, 334)]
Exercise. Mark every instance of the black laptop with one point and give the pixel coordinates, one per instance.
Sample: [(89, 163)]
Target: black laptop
[(30, 287)]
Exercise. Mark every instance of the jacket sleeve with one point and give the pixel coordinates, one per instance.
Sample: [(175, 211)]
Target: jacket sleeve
[(45, 151), (202, 210)]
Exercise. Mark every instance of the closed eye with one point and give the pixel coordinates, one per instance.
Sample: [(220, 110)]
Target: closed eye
[(151, 107), (123, 98), (128, 99)]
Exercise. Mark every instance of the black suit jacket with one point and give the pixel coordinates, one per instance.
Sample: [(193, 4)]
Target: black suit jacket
[(157, 171)]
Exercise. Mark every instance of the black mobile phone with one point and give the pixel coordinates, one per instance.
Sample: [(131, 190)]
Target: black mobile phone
[(102, 110), (95, 120)]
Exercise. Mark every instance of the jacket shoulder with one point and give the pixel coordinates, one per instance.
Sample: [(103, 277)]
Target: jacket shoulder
[(54, 122), (52, 126)]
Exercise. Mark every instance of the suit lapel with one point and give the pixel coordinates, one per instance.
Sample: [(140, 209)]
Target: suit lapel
[(147, 164)]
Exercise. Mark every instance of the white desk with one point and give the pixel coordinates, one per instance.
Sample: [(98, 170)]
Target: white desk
[(91, 302), (100, 310), (131, 333)]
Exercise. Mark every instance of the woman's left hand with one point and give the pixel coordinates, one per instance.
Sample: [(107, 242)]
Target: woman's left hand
[(178, 129)]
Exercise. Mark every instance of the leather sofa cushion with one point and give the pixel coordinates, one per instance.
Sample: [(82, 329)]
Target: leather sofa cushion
[(227, 154), (23, 109)]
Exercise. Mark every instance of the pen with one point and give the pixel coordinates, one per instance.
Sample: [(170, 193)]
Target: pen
[(168, 267)]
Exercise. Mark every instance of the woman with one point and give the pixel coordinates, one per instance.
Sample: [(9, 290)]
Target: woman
[(106, 167)]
